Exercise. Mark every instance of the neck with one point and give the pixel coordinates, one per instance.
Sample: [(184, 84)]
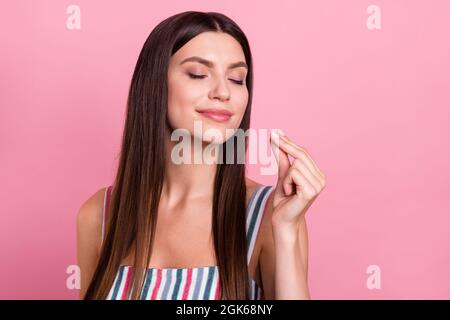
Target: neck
[(187, 181)]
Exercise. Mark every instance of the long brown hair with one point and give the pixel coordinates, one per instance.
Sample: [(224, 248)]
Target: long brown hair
[(139, 179)]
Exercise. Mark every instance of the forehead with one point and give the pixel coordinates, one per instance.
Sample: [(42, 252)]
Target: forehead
[(215, 46)]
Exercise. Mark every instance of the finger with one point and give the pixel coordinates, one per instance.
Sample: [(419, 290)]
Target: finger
[(302, 150), (315, 181), (298, 152), (302, 186), (281, 157)]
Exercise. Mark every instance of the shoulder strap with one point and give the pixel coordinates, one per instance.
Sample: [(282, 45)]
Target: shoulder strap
[(105, 209), (255, 211)]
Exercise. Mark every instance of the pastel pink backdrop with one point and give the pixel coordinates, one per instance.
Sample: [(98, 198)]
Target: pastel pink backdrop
[(371, 107)]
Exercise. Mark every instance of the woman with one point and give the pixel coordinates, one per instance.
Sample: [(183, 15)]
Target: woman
[(166, 230)]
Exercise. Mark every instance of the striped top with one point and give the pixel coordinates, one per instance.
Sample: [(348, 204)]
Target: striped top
[(194, 283)]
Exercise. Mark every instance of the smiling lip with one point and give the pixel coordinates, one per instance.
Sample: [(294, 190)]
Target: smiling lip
[(219, 115)]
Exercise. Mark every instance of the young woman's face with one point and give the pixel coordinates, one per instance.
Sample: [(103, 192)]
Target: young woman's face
[(216, 82)]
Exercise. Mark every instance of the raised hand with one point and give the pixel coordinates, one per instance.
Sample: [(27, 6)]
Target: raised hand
[(298, 183)]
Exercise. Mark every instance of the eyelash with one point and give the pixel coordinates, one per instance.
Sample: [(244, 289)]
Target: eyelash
[(194, 76)]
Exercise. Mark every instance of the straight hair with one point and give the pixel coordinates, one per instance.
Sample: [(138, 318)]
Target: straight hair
[(139, 178)]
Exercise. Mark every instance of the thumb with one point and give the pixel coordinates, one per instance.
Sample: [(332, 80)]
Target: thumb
[(282, 160)]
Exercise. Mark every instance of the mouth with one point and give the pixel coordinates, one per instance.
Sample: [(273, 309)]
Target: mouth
[(219, 115)]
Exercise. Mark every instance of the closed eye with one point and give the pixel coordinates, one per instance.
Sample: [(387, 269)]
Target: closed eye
[(239, 82), (195, 76)]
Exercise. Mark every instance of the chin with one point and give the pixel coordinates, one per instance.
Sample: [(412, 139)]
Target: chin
[(218, 134)]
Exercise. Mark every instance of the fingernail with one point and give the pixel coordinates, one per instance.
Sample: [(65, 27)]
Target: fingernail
[(281, 133), (274, 133), (274, 136)]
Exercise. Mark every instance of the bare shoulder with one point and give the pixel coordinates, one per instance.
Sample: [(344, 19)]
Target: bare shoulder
[(89, 233), (89, 219)]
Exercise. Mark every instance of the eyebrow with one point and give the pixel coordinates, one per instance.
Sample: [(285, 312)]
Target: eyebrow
[(210, 64)]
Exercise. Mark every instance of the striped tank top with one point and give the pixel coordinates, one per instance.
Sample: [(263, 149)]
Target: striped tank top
[(194, 283)]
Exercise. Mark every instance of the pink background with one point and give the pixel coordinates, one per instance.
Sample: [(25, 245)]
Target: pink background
[(371, 107)]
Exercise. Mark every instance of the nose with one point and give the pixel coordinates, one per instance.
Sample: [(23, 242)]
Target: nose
[(220, 90)]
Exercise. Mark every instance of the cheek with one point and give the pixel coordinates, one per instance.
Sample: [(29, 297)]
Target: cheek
[(180, 95), (240, 106), (181, 103)]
